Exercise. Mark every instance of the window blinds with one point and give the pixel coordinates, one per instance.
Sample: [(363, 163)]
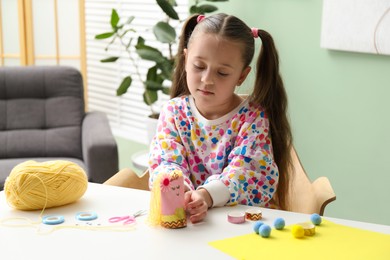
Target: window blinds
[(127, 114)]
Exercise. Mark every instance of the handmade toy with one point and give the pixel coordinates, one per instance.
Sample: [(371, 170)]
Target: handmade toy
[(167, 201)]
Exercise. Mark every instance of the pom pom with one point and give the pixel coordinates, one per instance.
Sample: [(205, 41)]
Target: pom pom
[(316, 219), (257, 225), (279, 223), (265, 230), (297, 231)]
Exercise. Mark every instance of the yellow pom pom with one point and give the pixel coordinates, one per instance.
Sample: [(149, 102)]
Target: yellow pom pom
[(297, 231), (33, 185)]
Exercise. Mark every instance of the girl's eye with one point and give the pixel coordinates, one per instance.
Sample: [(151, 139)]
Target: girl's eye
[(223, 74), (198, 67)]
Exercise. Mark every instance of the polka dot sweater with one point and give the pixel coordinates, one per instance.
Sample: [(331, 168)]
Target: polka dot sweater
[(230, 156)]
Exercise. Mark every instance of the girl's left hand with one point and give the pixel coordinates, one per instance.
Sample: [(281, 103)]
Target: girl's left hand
[(195, 202)]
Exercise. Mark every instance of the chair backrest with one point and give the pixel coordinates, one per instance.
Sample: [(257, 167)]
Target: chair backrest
[(41, 111), (306, 196), (129, 179)]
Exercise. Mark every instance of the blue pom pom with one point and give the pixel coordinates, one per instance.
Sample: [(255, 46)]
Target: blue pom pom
[(316, 219), (265, 230), (257, 225), (279, 223)]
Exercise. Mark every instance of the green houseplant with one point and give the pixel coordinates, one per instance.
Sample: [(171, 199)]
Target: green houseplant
[(159, 75)]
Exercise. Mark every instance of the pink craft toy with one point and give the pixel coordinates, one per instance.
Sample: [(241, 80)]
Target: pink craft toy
[(167, 201)]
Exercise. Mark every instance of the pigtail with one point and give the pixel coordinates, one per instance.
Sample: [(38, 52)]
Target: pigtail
[(179, 83), (270, 93)]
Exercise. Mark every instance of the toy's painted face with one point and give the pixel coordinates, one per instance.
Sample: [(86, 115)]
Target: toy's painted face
[(175, 194), (176, 190), (172, 194)]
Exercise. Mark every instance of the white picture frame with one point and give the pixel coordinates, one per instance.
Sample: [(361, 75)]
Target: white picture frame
[(356, 25)]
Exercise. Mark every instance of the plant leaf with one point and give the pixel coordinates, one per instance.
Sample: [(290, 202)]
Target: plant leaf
[(149, 53), (122, 89), (166, 90), (168, 9), (164, 32), (104, 35), (110, 59), (114, 18), (172, 2), (166, 67), (153, 85), (152, 73), (202, 9), (193, 10), (129, 20), (140, 41), (150, 96)]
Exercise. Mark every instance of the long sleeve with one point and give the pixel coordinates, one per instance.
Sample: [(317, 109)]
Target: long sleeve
[(231, 156), (167, 151), (251, 174)]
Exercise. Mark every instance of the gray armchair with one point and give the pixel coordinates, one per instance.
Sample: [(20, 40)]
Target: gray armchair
[(42, 117)]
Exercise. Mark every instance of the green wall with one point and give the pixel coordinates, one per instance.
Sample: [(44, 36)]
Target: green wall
[(126, 149), (338, 105)]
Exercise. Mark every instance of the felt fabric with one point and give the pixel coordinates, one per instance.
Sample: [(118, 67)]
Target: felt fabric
[(331, 241)]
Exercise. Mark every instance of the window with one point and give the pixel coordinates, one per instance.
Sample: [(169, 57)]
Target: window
[(127, 114), (42, 32)]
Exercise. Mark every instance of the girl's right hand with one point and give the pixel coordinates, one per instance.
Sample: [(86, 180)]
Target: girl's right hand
[(195, 202)]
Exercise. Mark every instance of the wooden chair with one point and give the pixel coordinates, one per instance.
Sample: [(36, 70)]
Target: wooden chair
[(129, 179), (306, 196)]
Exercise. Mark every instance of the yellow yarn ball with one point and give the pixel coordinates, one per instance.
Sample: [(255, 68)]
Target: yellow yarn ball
[(35, 185), (297, 231)]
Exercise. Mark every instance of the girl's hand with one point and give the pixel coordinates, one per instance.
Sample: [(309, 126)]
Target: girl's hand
[(197, 203)]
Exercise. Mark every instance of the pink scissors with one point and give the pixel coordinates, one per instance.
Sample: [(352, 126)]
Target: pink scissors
[(127, 219)]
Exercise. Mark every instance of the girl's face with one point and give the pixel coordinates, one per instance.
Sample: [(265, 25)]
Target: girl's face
[(214, 68)]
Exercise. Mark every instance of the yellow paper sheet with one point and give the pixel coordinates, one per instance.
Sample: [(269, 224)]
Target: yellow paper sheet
[(331, 241)]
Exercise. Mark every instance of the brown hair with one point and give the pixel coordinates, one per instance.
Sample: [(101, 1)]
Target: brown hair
[(268, 89)]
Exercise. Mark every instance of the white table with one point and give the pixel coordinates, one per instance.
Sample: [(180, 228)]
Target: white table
[(144, 242)]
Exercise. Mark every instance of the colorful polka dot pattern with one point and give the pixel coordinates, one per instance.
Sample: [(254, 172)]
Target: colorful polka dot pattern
[(237, 152)]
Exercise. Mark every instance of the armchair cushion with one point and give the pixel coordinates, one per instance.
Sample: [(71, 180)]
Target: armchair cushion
[(42, 116), (41, 110)]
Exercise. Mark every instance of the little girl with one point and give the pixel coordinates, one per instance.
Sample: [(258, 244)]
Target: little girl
[(230, 149)]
